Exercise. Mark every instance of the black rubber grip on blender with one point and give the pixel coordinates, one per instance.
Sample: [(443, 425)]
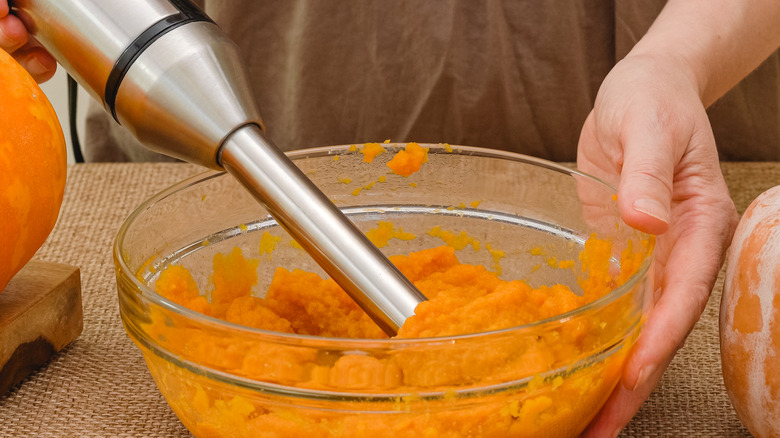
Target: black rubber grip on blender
[(188, 13)]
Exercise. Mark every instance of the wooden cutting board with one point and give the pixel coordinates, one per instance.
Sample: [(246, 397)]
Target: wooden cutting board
[(40, 314)]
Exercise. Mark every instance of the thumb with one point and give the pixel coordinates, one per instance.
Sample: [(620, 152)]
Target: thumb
[(650, 156)]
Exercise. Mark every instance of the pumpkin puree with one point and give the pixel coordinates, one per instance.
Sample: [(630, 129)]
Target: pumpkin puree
[(462, 299)]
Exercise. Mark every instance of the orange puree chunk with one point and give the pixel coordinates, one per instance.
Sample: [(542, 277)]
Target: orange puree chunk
[(370, 151), (409, 160), (363, 372), (176, 284), (318, 307), (253, 312), (381, 235), (595, 265), (233, 277), (457, 241), (419, 264), (268, 242), (277, 363)]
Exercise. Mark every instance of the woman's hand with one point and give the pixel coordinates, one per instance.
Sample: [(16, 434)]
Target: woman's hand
[(15, 40), (649, 134)]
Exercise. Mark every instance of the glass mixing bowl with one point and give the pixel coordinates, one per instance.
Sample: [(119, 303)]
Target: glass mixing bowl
[(521, 217)]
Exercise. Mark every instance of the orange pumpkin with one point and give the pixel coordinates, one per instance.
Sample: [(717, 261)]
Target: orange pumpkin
[(750, 317), (33, 165)]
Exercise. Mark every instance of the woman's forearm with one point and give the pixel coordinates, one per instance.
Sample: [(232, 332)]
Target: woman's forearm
[(718, 41)]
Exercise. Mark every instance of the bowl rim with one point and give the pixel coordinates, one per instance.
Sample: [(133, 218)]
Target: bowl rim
[(356, 343)]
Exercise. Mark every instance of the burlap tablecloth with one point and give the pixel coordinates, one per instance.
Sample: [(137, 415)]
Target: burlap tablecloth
[(100, 387)]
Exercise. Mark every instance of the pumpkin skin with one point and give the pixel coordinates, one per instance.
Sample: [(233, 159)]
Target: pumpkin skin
[(750, 317), (33, 167)]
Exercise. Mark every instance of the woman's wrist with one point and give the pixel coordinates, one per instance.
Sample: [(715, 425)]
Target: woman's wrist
[(716, 43)]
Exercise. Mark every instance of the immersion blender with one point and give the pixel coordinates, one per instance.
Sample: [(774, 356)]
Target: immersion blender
[(168, 74)]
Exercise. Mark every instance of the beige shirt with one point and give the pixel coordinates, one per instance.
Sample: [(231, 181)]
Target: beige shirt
[(519, 75)]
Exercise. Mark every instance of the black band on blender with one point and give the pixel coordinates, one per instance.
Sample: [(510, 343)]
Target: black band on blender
[(188, 13)]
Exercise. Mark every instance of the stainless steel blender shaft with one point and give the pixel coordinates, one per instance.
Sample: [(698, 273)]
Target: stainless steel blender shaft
[(317, 225), (170, 76)]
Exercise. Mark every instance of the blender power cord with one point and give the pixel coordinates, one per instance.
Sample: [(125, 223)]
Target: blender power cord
[(73, 92)]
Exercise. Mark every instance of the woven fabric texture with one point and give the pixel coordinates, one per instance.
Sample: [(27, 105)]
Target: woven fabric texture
[(99, 386)]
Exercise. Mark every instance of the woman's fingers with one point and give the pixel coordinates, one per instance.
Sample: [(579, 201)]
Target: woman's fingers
[(15, 40)]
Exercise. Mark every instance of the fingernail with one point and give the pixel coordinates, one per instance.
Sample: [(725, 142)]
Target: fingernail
[(653, 208), (617, 432), (35, 67), (644, 374)]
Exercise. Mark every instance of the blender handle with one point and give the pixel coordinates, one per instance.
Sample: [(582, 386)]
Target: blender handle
[(162, 68), (188, 13)]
